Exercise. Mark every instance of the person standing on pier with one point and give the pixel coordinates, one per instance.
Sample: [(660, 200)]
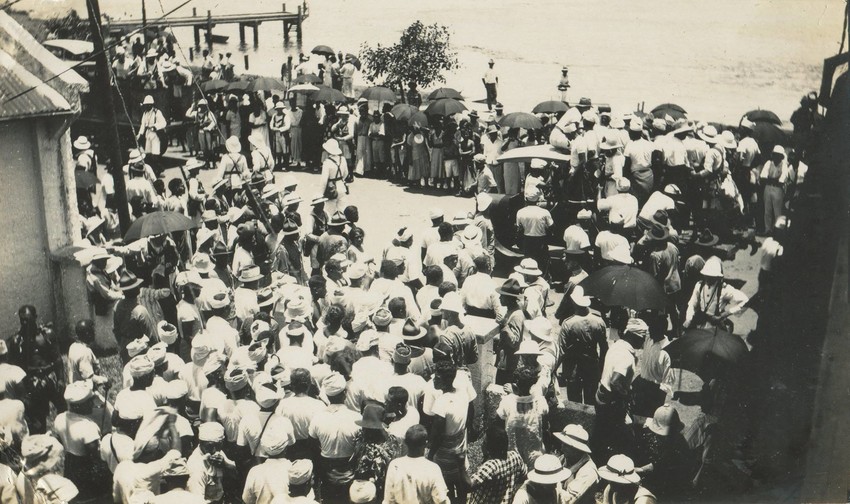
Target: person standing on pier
[(153, 123), (280, 124), (564, 83), (491, 81), (347, 73)]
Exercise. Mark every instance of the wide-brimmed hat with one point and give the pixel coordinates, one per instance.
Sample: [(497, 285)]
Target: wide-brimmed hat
[(575, 436), (665, 420), (266, 297), (584, 102), (682, 128), (337, 220), (511, 287), (528, 266), (41, 451), (82, 143), (727, 140), (619, 469), (250, 274), (332, 147), (618, 123), (270, 191), (279, 106), (529, 347), (202, 263), (548, 471), (128, 281), (436, 213), (290, 199), (657, 233), (460, 219), (578, 296), (373, 417), (778, 149), (708, 134), (135, 156), (290, 227), (471, 235), (233, 145), (636, 125), (540, 328), (712, 268), (410, 331), (706, 238), (93, 223), (342, 110), (317, 200)]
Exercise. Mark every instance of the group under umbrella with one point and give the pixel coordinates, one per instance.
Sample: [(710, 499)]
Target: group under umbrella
[(445, 107)]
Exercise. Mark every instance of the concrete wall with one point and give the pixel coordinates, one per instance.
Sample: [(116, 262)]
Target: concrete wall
[(25, 276)]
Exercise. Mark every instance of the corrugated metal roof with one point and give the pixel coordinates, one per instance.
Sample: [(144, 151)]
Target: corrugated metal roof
[(43, 100)]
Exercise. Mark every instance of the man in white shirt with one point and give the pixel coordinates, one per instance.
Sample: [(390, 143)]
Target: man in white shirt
[(300, 409), (534, 225), (774, 177), (491, 82), (414, 478), (713, 300), (623, 203), (479, 290)]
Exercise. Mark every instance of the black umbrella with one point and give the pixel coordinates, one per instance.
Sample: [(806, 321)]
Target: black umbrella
[(403, 111), (379, 93), (85, 179), (418, 118), (769, 135), (157, 223), (214, 85), (522, 120), (444, 92), (763, 116), (445, 107), (266, 84), (626, 285), (697, 348), (671, 109), (550, 107), (239, 86), (329, 95), (354, 60), (323, 50)]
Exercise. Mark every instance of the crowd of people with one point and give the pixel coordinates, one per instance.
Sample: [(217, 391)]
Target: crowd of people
[(267, 357)]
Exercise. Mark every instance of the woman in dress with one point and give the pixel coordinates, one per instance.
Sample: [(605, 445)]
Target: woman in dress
[(437, 173), (295, 135), (259, 121), (232, 119), (418, 145)]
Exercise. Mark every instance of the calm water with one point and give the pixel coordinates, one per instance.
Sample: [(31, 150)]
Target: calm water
[(717, 59)]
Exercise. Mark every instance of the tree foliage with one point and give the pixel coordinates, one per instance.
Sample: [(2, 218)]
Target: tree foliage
[(422, 55)]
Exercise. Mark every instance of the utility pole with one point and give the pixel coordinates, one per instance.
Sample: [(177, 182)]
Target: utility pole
[(144, 24), (103, 83)]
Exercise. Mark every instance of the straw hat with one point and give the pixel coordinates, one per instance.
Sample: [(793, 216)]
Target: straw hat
[(471, 235), (250, 274), (540, 328), (618, 123), (232, 145), (511, 287), (332, 147), (317, 200), (410, 331), (620, 469), (548, 471), (727, 140), (82, 143), (708, 134), (575, 436), (528, 266), (483, 201), (778, 149), (136, 156), (665, 420), (713, 268), (578, 297), (528, 347)]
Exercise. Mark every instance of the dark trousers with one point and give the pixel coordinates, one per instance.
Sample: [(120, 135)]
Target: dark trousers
[(491, 95), (582, 379), (41, 392), (536, 248), (610, 435)]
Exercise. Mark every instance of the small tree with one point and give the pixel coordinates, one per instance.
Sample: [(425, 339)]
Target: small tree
[(422, 55)]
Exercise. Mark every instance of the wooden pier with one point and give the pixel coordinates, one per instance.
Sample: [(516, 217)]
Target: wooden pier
[(207, 22)]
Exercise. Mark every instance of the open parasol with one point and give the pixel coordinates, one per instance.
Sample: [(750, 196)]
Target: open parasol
[(323, 50), (85, 179), (767, 116), (418, 118), (626, 285), (379, 93), (550, 107), (308, 78), (303, 88), (354, 60), (214, 86), (329, 95), (545, 152), (697, 348), (769, 135), (266, 84), (445, 107), (157, 223), (238, 86), (669, 109), (403, 111), (522, 120), (444, 92)]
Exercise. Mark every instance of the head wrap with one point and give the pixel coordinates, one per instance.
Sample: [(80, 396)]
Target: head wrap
[(637, 327), (235, 380), (156, 353), (300, 472), (274, 441), (140, 366), (333, 384), (176, 389), (212, 432)]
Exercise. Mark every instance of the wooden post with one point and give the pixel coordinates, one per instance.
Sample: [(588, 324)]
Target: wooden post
[(298, 26), (285, 33), (191, 54), (197, 30), (256, 34), (241, 34), (105, 85), (246, 62), (209, 31)]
